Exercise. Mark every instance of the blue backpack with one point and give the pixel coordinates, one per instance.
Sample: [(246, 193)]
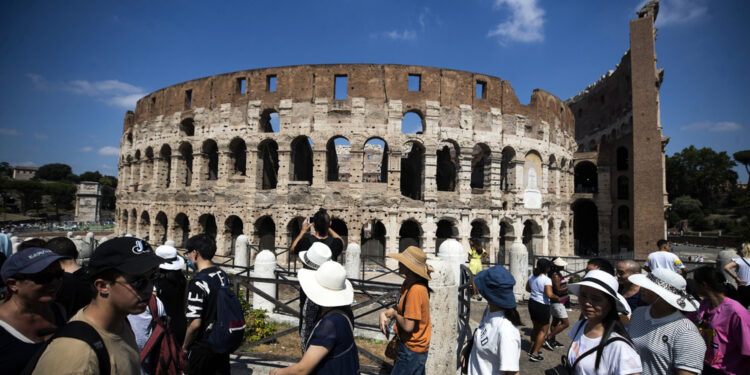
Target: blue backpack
[(225, 333)]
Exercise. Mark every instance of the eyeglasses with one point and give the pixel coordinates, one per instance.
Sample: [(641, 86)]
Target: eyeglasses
[(141, 283), (44, 277)]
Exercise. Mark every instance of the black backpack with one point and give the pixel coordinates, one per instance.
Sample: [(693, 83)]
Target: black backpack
[(81, 331)]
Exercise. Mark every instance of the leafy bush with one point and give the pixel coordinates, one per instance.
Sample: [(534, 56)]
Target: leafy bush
[(258, 326)]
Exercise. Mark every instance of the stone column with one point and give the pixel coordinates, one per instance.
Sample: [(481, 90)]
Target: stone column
[(465, 228), (464, 176), (319, 167), (282, 184), (200, 170), (179, 169), (518, 178), (251, 169), (430, 169), (241, 251), (428, 235), (265, 265), (443, 312), (495, 174), (519, 261), (353, 261), (356, 165), (226, 166), (494, 245)]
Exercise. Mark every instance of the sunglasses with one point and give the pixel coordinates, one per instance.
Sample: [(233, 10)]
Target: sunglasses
[(142, 283), (44, 277)]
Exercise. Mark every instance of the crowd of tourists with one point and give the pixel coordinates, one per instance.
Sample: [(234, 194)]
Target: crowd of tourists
[(132, 310)]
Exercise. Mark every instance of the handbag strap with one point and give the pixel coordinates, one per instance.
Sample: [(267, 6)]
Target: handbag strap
[(580, 357)]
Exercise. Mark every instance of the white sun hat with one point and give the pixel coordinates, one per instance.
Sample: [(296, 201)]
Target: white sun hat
[(327, 286), (559, 262), (669, 286), (604, 282), (316, 255), (174, 261)]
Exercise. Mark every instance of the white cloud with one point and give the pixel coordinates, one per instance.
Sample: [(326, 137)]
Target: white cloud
[(6, 131), (41, 136), (405, 35), (106, 167), (525, 24), (674, 12), (717, 127), (85, 149), (111, 91), (427, 16), (109, 151)]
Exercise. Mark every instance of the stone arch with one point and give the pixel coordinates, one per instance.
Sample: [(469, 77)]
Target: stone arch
[(413, 122), (187, 127), (412, 170), (532, 237), (410, 234), (186, 159), (293, 228), (210, 153), (375, 160), (160, 228), (144, 226), (301, 166), (481, 231), (133, 222), (181, 229), (338, 159), (165, 167), (585, 227), (448, 165), (507, 169), (373, 241), (238, 156), (446, 227), (506, 235), (339, 226), (265, 233), (233, 228), (585, 177), (207, 223), (268, 164), (269, 121), (124, 222), (147, 169), (480, 166)]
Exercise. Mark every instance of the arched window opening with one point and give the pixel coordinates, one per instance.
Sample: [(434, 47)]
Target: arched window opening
[(207, 223), (130, 139), (160, 228), (585, 177), (480, 166), (144, 226), (412, 170), (622, 159), (585, 228), (624, 244), (373, 242), (623, 188), (232, 229), (375, 164), (186, 155), (124, 222), (133, 222), (412, 123), (265, 234), (532, 237), (445, 229), (238, 156), (507, 170), (338, 160), (339, 226), (269, 121), (302, 160), (181, 230), (166, 164), (623, 217), (506, 240), (481, 233), (268, 168), (210, 152), (187, 127), (446, 173), (410, 234)]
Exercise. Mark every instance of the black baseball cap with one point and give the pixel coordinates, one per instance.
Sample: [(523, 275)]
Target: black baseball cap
[(129, 255)]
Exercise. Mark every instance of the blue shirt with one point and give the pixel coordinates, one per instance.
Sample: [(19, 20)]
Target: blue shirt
[(335, 333)]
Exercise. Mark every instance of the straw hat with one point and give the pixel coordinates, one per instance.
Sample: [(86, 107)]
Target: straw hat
[(414, 259), (669, 286), (327, 286), (316, 255), (603, 282), (174, 262), (559, 262)]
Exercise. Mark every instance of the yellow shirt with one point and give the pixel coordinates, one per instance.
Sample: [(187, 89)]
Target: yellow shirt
[(71, 356)]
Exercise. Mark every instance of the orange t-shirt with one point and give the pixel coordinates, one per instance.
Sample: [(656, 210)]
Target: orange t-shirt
[(418, 309)]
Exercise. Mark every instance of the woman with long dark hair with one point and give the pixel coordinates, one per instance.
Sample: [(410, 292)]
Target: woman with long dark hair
[(412, 313), (723, 322), (540, 287), (601, 345), (170, 288)]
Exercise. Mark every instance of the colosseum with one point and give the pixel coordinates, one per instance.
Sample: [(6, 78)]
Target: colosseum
[(400, 155)]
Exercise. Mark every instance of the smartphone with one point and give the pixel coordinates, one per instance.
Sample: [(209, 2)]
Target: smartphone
[(309, 220)]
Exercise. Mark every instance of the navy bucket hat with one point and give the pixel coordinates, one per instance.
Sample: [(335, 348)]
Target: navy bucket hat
[(496, 285)]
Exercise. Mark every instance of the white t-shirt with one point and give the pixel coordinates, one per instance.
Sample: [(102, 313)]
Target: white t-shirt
[(141, 324), (666, 344), (497, 345), (664, 259), (537, 284), (618, 357), (743, 272)]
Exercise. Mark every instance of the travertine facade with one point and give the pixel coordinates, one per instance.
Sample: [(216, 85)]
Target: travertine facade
[(88, 202)]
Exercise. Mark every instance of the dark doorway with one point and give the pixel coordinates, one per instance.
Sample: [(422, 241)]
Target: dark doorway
[(585, 228), (410, 234), (412, 171)]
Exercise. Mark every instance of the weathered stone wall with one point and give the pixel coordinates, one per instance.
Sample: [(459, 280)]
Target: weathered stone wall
[(159, 197)]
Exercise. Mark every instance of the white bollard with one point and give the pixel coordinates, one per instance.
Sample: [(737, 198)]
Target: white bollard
[(443, 312), (103, 240), (15, 241), (519, 266), (241, 251), (169, 243), (128, 235), (70, 235), (265, 264), (453, 253), (353, 261)]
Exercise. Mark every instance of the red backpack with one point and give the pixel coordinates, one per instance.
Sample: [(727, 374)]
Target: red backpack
[(162, 353)]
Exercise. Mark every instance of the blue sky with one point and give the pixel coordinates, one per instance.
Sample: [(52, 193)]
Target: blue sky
[(69, 70)]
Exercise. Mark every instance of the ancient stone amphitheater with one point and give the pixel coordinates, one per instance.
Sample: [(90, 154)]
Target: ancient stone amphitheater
[(399, 155)]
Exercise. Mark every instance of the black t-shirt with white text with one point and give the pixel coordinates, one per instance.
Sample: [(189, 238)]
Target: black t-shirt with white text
[(199, 305)]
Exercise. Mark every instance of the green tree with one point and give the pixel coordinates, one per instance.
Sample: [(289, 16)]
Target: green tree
[(90, 176), (6, 171), (30, 193), (55, 172), (703, 174), (685, 206), (109, 185), (61, 194), (743, 157)]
